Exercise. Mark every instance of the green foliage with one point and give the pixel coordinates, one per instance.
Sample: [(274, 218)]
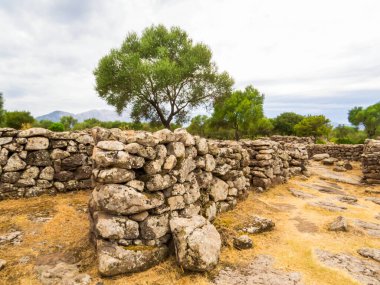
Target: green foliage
[(263, 127), (348, 135), (68, 122), (2, 111), (161, 75), (57, 127), (316, 126), (285, 122), (43, 124), (368, 117), (198, 125), (239, 111), (17, 119)]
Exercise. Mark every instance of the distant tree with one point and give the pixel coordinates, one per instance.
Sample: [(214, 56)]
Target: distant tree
[(17, 119), (239, 110), (198, 125), (368, 117), (68, 122), (263, 127), (88, 124), (160, 75), (43, 124), (285, 122), (316, 126), (1, 109), (348, 135), (57, 127)]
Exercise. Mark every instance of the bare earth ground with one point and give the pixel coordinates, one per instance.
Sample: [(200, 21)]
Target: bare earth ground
[(300, 250)]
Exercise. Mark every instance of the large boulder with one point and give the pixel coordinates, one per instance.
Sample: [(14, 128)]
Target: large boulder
[(197, 243), (14, 163), (115, 227), (320, 156), (124, 200), (115, 259)]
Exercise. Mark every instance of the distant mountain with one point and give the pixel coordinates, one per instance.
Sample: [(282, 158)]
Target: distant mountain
[(102, 115), (54, 116)]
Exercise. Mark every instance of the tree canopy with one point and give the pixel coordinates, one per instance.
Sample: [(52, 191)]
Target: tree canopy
[(285, 122), (368, 117), (240, 111), (316, 126), (160, 75), (18, 119)]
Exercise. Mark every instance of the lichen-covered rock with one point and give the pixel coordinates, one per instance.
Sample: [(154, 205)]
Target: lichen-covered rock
[(243, 242), (218, 190), (339, 224), (124, 200), (37, 143), (115, 175), (197, 243), (154, 227), (14, 163), (177, 149), (33, 132), (115, 259), (160, 182), (115, 227)]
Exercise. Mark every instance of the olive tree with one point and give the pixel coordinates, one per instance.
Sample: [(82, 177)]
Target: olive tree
[(160, 76)]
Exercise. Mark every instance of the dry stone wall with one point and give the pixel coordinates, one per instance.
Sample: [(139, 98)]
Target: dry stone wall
[(371, 162), (153, 188), (350, 152), (37, 161)]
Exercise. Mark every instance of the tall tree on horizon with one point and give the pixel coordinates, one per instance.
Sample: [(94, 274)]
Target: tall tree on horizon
[(161, 75)]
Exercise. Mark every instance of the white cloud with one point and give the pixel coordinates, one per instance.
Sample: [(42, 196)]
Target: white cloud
[(290, 50)]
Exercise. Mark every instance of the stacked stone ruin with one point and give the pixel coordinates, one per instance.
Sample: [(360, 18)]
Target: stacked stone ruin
[(371, 162), (153, 192), (154, 189), (350, 152), (37, 161)]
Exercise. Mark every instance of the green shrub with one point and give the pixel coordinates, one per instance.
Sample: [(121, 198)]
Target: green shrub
[(57, 127)]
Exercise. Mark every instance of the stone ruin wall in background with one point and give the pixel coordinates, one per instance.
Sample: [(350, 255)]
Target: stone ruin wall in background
[(38, 161), (371, 162), (144, 180), (351, 152)]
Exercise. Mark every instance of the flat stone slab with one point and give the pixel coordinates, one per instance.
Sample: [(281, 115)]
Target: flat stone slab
[(61, 273), (259, 272), (12, 237), (371, 229), (373, 253), (115, 259), (301, 194), (374, 200), (352, 200), (364, 271), (328, 206)]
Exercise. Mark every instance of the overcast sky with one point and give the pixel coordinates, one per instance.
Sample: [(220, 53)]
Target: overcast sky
[(307, 56)]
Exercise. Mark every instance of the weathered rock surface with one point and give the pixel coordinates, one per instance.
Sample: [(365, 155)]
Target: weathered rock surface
[(243, 242), (124, 200), (339, 225), (2, 264), (328, 206), (321, 156), (371, 229), (259, 272), (114, 259), (301, 194), (373, 253), (258, 225), (12, 237), (366, 272), (197, 243), (61, 274)]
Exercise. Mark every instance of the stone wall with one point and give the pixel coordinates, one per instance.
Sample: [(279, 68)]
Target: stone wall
[(144, 181), (292, 139), (37, 161), (371, 162), (350, 152)]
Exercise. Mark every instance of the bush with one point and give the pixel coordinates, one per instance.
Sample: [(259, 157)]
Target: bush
[(57, 127), (18, 119)]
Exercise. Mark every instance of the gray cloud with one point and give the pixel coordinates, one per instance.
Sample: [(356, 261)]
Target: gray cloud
[(306, 57)]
